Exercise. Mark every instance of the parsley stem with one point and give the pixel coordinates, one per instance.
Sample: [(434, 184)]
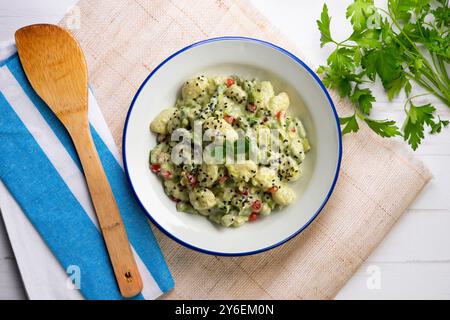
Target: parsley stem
[(433, 77), (425, 85), (346, 45), (413, 97), (443, 68), (343, 44), (437, 83), (360, 115), (438, 69), (400, 28), (414, 55), (429, 73), (430, 77), (433, 60)]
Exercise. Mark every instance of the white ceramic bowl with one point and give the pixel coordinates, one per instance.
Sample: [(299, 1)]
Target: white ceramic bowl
[(249, 58)]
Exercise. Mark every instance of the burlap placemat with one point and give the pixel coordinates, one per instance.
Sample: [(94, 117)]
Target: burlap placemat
[(124, 40)]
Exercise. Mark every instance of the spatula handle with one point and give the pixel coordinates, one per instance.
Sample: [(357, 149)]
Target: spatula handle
[(110, 221)]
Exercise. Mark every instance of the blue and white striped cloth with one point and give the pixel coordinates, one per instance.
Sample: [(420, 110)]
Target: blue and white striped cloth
[(40, 170)]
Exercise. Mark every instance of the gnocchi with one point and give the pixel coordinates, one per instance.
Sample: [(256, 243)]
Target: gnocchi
[(242, 187)]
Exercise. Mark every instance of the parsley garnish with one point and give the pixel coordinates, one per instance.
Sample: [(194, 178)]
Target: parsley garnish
[(407, 43)]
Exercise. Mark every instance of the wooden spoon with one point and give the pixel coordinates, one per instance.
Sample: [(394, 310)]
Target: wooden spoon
[(56, 68)]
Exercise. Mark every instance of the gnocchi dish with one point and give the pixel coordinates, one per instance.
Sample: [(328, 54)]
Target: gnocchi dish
[(250, 175)]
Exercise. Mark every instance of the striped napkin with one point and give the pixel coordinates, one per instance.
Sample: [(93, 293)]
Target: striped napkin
[(40, 169)]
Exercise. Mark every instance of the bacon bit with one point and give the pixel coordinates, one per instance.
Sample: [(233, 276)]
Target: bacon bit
[(244, 192), (155, 168), (293, 130), (229, 119), (175, 199), (166, 174), (230, 82), (251, 107), (265, 119), (253, 217), (223, 179), (191, 179), (272, 190), (256, 206), (281, 114)]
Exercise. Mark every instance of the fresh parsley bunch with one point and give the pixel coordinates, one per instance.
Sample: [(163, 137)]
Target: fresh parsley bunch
[(408, 42)]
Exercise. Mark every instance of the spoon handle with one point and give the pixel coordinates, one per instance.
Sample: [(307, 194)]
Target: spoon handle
[(110, 221)]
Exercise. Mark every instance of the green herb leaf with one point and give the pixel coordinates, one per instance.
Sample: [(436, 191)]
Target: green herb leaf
[(324, 26), (394, 87), (350, 123), (409, 43), (363, 98), (369, 38), (437, 127), (342, 82), (341, 59), (384, 62), (321, 69), (358, 12), (358, 56), (442, 13), (402, 8), (384, 128), (418, 117)]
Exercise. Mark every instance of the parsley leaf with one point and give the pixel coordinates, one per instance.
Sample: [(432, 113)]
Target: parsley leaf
[(369, 38), (341, 81), (350, 123), (405, 46), (342, 59), (324, 26), (414, 124), (442, 14), (358, 12), (394, 87), (402, 8), (363, 98), (384, 128), (437, 127), (384, 62)]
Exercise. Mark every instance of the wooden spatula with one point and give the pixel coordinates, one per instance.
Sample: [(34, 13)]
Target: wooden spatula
[(56, 68)]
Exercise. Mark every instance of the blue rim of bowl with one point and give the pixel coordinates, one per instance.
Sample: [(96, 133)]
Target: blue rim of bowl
[(290, 55)]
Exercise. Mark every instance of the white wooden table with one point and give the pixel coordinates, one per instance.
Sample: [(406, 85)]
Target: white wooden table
[(413, 262)]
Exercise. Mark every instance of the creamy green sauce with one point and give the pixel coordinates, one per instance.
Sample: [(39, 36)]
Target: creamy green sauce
[(230, 193)]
